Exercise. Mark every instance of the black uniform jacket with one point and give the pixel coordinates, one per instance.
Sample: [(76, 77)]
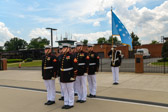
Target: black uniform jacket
[(50, 66), (117, 57), (93, 63), (68, 64), (83, 62)]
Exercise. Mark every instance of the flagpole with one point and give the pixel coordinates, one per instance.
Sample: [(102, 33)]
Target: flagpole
[(112, 26), (112, 35)]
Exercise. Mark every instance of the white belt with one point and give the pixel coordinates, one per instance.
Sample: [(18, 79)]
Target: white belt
[(81, 63), (66, 69), (48, 67), (92, 63)]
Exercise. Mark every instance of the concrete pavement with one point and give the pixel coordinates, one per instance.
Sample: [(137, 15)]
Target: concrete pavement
[(139, 87)]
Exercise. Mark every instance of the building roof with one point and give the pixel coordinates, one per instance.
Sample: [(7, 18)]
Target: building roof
[(165, 38), (60, 42)]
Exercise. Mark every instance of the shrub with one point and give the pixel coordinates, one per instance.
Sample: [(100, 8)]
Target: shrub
[(28, 60), (14, 60), (162, 60)]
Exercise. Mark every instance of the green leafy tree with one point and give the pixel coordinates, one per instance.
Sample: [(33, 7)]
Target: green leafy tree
[(84, 42), (101, 40), (1, 48), (165, 50), (15, 44), (154, 42), (135, 39), (38, 43), (115, 40)]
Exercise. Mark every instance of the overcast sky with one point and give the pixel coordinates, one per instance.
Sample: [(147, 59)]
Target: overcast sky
[(83, 19)]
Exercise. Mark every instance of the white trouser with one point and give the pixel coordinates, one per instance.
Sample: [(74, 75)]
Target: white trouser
[(75, 87), (81, 87), (68, 93), (62, 93), (92, 84), (50, 86), (115, 72)]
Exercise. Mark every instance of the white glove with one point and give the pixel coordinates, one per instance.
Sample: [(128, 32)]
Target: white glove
[(112, 49)]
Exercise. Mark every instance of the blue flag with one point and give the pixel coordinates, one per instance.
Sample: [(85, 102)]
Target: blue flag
[(119, 29)]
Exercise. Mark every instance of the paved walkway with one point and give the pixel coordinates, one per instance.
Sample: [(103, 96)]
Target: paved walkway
[(23, 91)]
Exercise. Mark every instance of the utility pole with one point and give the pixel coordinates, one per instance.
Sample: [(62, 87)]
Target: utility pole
[(51, 37)]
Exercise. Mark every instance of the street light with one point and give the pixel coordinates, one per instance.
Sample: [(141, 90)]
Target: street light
[(51, 37)]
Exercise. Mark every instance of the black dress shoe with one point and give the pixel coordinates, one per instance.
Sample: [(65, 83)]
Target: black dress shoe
[(51, 102), (78, 101), (82, 101), (94, 96), (47, 102), (65, 107), (62, 98), (75, 94), (90, 96), (115, 83), (68, 107)]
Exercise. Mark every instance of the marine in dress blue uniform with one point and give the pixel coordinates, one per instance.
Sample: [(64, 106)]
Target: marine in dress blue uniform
[(93, 68), (81, 74), (115, 63), (68, 70), (59, 55), (50, 68)]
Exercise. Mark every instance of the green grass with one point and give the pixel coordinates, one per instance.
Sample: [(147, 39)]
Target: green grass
[(160, 63), (34, 63)]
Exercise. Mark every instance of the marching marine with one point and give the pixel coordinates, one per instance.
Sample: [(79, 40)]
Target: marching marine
[(93, 67), (115, 63), (50, 69)]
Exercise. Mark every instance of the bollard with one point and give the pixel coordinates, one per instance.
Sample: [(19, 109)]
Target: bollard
[(20, 65)]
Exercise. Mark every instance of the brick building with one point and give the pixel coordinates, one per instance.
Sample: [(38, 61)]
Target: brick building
[(103, 49)]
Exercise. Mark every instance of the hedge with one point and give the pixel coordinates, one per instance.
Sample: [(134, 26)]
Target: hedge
[(162, 60), (28, 60), (14, 60)]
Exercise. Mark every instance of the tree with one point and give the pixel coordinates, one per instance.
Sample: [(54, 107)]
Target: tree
[(165, 50), (84, 42), (135, 39), (154, 42), (15, 44), (1, 48), (115, 40), (38, 43), (101, 40)]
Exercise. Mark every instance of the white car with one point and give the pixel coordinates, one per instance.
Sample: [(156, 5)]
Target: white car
[(144, 51)]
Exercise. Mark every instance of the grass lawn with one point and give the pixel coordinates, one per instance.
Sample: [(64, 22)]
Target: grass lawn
[(160, 63), (35, 63)]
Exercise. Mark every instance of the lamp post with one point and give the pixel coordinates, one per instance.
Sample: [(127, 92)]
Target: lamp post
[(51, 37)]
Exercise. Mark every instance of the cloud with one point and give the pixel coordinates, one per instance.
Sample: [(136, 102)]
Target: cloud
[(21, 16), (39, 32), (5, 34), (18, 32), (91, 37), (47, 20), (97, 23)]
